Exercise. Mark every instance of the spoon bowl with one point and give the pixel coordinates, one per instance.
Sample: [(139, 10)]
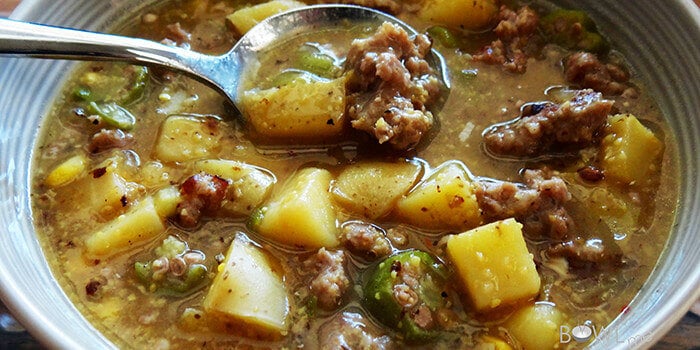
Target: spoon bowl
[(223, 73)]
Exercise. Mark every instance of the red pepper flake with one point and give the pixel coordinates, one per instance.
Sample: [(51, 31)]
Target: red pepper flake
[(97, 173), (92, 287), (212, 124), (396, 266), (591, 173)]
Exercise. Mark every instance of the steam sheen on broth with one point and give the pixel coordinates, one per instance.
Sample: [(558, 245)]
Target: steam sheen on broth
[(354, 202)]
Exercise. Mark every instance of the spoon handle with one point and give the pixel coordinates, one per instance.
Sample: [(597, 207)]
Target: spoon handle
[(44, 41)]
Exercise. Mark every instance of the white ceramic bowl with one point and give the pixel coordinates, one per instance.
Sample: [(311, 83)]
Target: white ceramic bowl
[(661, 39)]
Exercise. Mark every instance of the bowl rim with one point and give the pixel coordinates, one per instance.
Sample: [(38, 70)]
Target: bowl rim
[(667, 316), (22, 309)]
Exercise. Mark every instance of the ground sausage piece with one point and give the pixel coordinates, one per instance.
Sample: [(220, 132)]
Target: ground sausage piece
[(515, 33), (537, 204), (405, 296), (366, 239), (330, 282), (350, 331), (107, 139), (209, 35), (551, 127), (515, 25), (587, 71), (423, 317), (590, 253), (177, 34), (202, 194), (391, 86)]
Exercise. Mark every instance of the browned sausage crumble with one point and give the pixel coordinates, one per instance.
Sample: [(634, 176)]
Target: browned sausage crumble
[(548, 127), (391, 86)]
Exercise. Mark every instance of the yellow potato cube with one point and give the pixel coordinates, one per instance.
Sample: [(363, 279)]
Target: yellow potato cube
[(249, 185), (110, 193), (373, 188), (494, 265), (299, 110), (166, 201), (249, 290), (101, 193), (465, 14), (301, 214), (630, 152), (68, 171), (182, 138), (105, 191), (247, 17), (135, 227), (536, 326), (446, 200), (604, 201)]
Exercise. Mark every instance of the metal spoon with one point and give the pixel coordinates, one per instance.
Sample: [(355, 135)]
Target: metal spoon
[(223, 73)]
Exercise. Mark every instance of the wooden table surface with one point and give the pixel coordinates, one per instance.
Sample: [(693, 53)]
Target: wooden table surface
[(685, 335)]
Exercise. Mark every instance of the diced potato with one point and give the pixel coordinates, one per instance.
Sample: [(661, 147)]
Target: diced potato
[(466, 14), (166, 201), (105, 191), (494, 265), (247, 17), (110, 193), (446, 200), (250, 185), (630, 152), (182, 138), (247, 289), (373, 188), (299, 110), (302, 214), (536, 326), (139, 225), (68, 171), (603, 202)]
